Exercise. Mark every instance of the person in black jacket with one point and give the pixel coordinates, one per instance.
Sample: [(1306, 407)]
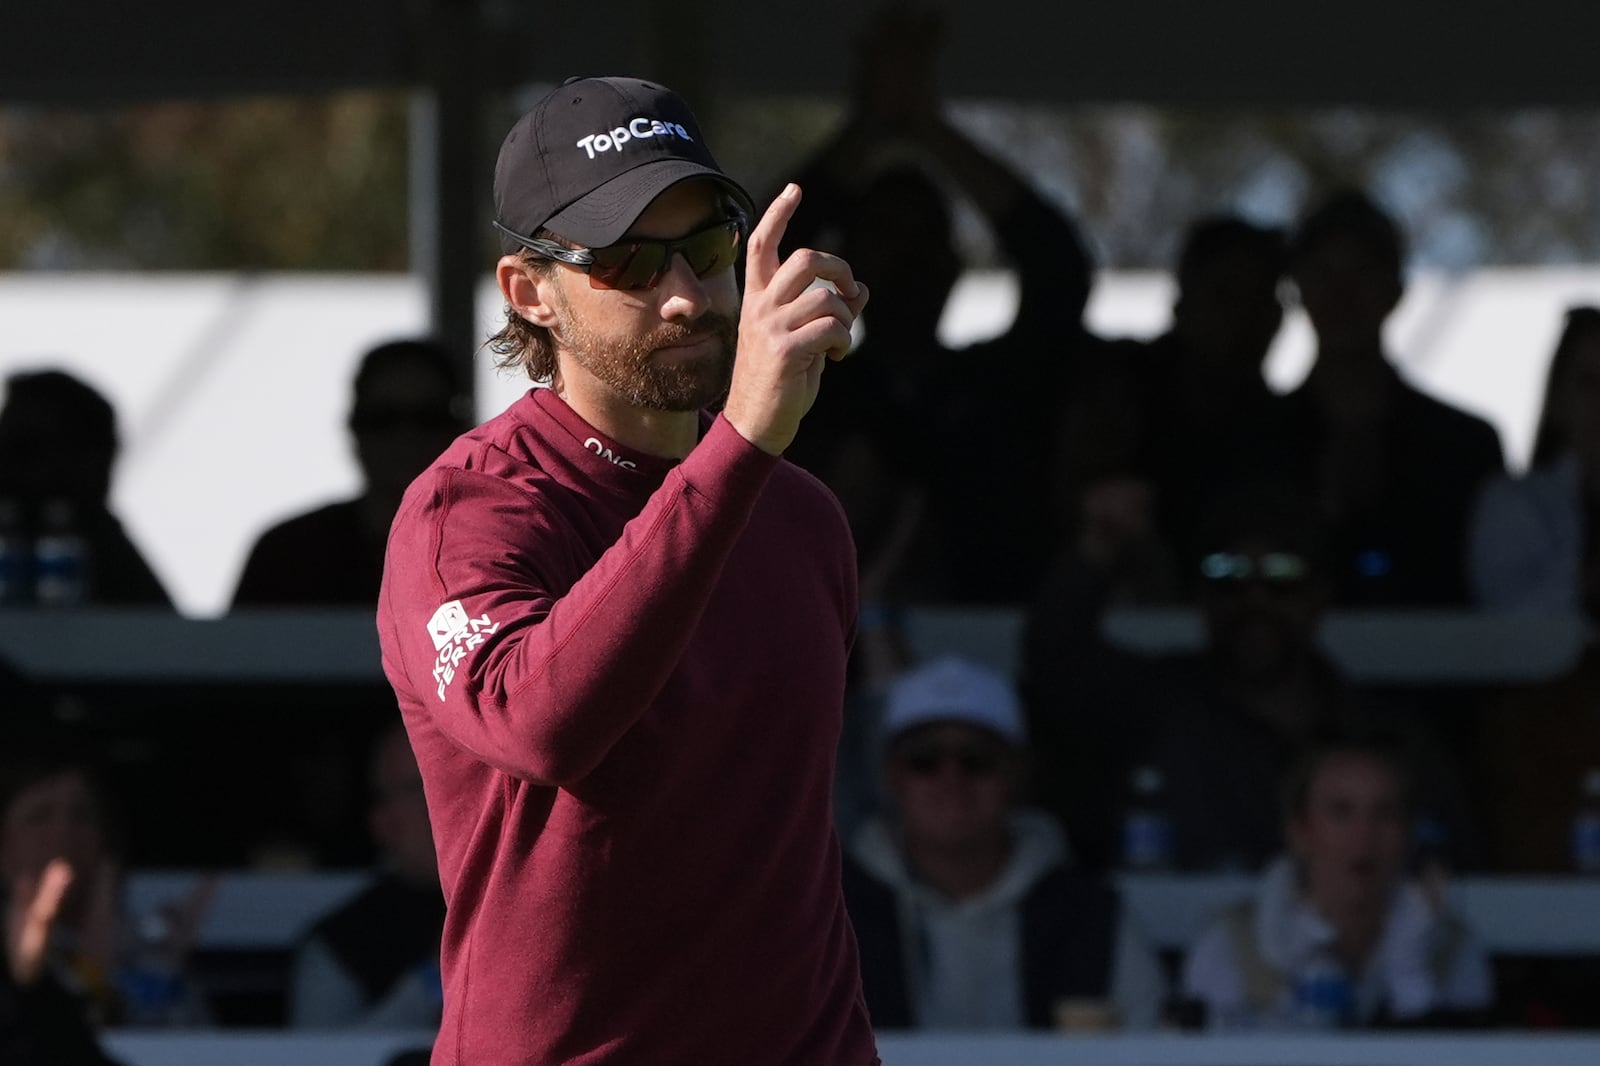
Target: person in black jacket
[(1396, 471), (404, 411), (58, 447), (967, 910)]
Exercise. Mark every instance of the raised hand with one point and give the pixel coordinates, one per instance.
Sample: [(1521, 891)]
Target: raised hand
[(789, 327), (30, 916), (895, 79)]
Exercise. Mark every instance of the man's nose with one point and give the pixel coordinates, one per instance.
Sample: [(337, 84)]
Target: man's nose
[(683, 292)]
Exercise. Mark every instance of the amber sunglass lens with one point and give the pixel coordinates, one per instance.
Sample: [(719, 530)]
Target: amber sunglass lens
[(628, 266), (712, 252), (641, 264)]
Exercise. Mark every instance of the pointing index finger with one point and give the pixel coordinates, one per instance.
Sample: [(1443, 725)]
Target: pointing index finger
[(761, 258)]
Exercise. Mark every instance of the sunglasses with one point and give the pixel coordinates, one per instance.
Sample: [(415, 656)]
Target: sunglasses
[(636, 265), (928, 760), (1275, 568)]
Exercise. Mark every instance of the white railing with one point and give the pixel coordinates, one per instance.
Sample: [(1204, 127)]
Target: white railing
[(267, 646), (1513, 915)]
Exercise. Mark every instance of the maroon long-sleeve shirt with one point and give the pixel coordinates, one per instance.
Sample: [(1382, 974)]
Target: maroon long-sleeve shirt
[(623, 678)]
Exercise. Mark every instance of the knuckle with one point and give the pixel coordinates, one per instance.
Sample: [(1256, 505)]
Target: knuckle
[(807, 258)]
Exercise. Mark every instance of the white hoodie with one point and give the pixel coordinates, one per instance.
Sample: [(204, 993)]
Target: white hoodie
[(963, 962), (1405, 971)]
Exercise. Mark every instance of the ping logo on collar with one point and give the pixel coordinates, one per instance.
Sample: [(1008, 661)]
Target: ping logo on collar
[(453, 635), (637, 129), (594, 444)]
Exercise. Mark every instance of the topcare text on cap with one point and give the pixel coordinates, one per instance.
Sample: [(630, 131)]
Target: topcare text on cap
[(640, 127)]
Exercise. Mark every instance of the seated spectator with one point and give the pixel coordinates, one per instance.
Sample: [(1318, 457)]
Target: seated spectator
[(967, 910), (121, 969), (374, 962), (1396, 470), (1336, 934), (41, 1022), (1108, 509), (1218, 726), (1534, 541), (58, 445), (403, 414)]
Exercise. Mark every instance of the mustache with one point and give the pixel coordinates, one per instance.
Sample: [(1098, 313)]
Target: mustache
[(711, 323)]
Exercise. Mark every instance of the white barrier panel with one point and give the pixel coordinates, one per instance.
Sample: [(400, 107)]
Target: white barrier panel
[(1404, 645), (1496, 1049), (249, 910), (1513, 915), (1542, 916)]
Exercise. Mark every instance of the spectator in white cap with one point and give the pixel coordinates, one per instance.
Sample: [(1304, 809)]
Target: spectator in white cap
[(965, 906)]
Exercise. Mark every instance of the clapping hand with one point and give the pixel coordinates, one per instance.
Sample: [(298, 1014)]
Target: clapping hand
[(31, 913)]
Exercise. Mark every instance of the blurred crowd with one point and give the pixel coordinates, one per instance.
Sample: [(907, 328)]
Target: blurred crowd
[(983, 815)]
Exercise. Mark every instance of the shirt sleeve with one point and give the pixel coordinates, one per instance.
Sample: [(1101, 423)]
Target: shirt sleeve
[(1138, 984), (1511, 560), (1211, 975), (322, 995), (1469, 984), (535, 672)]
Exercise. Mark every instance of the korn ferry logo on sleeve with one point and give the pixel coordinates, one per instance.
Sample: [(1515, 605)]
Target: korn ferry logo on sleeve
[(637, 129), (454, 634)]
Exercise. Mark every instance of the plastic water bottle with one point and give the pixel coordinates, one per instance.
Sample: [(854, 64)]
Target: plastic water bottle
[(1321, 996), (1586, 826), (1147, 827), (16, 561), (60, 558), (151, 983)]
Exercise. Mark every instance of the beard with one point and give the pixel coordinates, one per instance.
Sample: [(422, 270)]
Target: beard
[(627, 365)]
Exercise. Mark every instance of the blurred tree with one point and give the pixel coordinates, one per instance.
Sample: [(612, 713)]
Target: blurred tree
[(320, 183), (255, 184), (1471, 189)]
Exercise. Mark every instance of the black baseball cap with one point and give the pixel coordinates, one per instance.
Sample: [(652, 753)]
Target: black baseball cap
[(587, 160)]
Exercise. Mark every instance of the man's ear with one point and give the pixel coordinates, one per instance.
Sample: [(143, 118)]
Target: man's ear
[(527, 291)]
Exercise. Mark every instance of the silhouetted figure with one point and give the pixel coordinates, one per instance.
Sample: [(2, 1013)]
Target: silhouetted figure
[(58, 445), (403, 414), (970, 430), (374, 962), (1396, 470), (1536, 539), (1212, 422)]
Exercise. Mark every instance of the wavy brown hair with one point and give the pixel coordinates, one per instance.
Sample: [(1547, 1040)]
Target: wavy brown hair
[(520, 343)]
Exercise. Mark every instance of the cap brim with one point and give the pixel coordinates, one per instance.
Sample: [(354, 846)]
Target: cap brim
[(604, 215)]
